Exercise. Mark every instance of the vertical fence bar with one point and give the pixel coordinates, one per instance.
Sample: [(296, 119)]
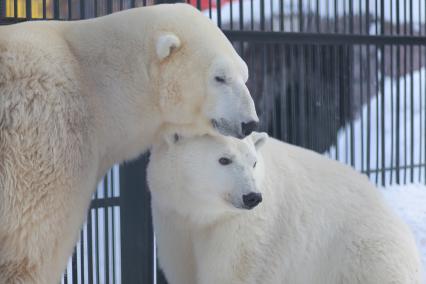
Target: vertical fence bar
[(74, 268), (368, 112), (43, 8), (28, 9), (106, 226), (55, 9), (240, 2), (382, 88), (97, 245), (82, 254), (136, 238), (89, 248)]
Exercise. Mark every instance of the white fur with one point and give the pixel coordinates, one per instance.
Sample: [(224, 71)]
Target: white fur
[(319, 222), (77, 97)]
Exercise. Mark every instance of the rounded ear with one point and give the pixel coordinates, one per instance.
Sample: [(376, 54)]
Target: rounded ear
[(166, 43), (259, 139)]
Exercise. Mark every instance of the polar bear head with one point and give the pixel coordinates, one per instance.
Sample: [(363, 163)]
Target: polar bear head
[(207, 176), (201, 78)]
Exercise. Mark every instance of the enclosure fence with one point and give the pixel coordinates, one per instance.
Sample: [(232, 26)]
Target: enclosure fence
[(344, 78)]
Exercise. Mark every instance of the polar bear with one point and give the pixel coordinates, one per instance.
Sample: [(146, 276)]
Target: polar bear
[(77, 97), (312, 220)]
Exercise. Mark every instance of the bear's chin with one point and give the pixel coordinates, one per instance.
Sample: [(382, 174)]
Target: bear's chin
[(226, 128)]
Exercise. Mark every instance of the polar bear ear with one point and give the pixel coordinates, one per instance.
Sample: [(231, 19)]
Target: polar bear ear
[(166, 43), (259, 139)]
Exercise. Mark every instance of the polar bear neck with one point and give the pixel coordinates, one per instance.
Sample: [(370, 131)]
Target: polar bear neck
[(123, 97)]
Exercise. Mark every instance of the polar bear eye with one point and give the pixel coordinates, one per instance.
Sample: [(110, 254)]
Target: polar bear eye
[(220, 79), (254, 165), (225, 161)]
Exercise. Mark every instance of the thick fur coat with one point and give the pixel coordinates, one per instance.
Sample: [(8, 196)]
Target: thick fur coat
[(319, 221), (77, 97)]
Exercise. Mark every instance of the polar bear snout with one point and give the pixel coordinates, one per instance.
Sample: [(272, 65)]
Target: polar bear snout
[(252, 199), (249, 127)]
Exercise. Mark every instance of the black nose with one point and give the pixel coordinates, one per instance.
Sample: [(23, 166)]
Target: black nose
[(252, 199), (249, 127)]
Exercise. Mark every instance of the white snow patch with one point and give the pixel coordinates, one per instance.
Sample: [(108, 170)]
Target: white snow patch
[(409, 202)]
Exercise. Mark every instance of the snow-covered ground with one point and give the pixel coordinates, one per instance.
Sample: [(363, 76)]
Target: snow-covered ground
[(409, 202)]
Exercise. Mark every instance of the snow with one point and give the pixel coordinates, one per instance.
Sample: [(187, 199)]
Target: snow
[(408, 141), (409, 202)]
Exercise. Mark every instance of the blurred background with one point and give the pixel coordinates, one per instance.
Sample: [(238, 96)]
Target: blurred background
[(345, 78)]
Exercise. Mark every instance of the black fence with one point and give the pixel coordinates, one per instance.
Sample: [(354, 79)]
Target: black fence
[(345, 78)]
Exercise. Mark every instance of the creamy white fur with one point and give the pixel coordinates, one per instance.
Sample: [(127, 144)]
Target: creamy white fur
[(319, 222), (77, 97)]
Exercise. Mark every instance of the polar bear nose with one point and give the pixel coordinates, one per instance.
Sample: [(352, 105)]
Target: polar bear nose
[(249, 127), (252, 199)]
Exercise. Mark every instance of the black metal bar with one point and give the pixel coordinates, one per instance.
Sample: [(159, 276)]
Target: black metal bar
[(136, 239), (74, 267), (411, 113), (231, 7), (317, 18), (113, 229), (367, 17), (28, 9), (281, 15), (344, 16), (251, 15), (44, 8), (272, 18), (301, 23), (219, 13), (350, 103), (240, 2), (106, 226), (82, 9), (109, 6), (361, 99), (97, 245), (335, 16), (405, 111), (315, 38), (336, 93), (105, 202), (397, 110), (89, 248), (82, 252), (377, 85), (382, 88), (55, 9), (368, 166), (392, 113)]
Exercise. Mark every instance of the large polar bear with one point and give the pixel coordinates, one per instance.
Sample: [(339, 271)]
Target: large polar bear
[(319, 222), (77, 97)]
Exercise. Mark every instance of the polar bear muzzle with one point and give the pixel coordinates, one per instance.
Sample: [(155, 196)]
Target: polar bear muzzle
[(252, 199)]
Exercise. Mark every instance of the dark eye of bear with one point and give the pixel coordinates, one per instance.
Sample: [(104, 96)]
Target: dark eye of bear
[(225, 161), (254, 165), (219, 79)]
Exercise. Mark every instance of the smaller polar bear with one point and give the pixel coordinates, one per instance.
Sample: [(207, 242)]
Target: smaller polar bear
[(319, 221)]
